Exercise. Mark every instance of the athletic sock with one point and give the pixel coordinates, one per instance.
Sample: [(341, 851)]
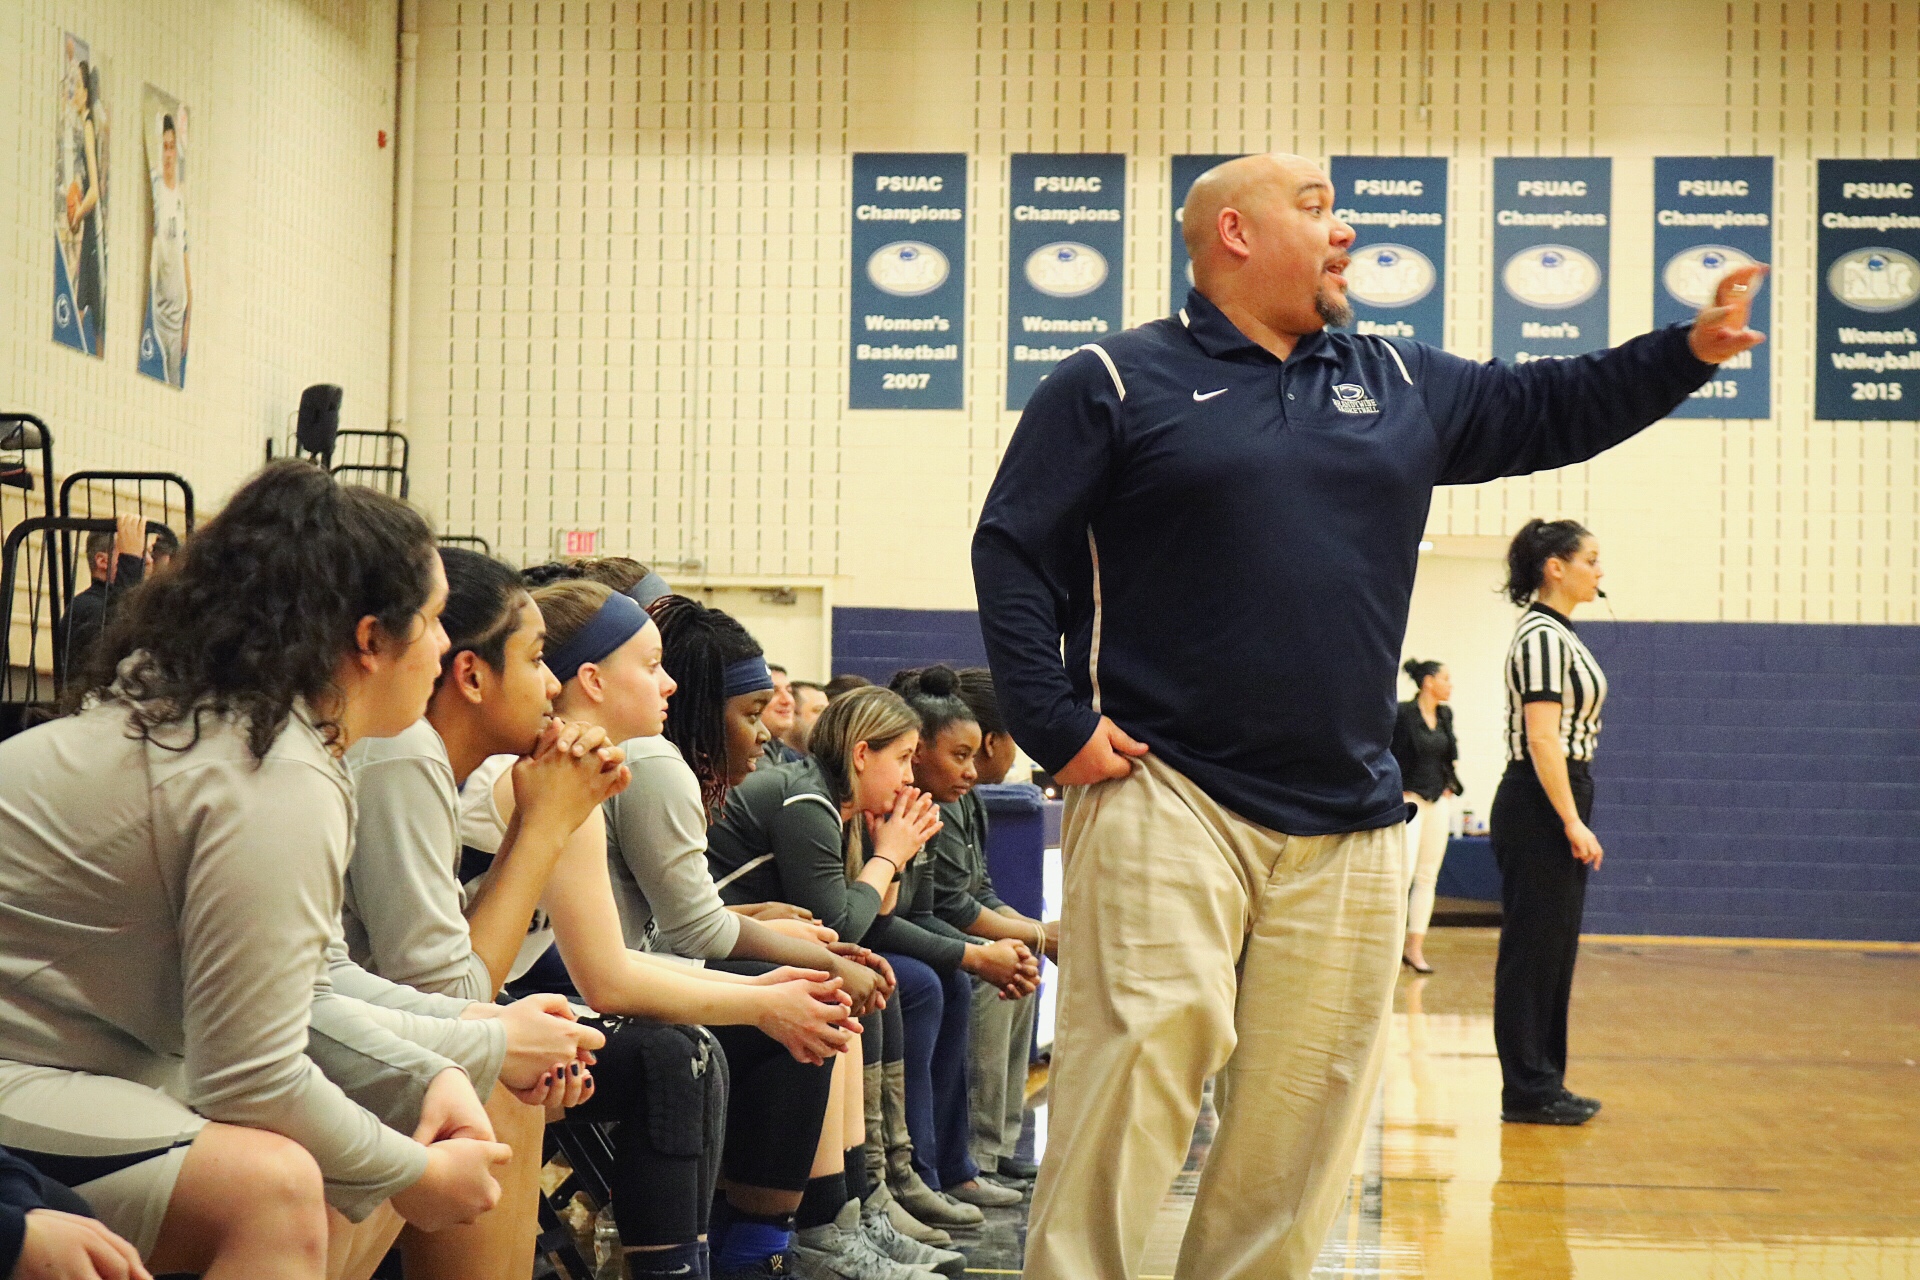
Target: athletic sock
[(856, 1175), (751, 1239), (678, 1262), (823, 1201)]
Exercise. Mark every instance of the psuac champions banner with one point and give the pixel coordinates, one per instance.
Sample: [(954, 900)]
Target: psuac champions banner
[(1867, 351), (1710, 215), (1552, 223), (1066, 244), (1397, 206), (909, 275)]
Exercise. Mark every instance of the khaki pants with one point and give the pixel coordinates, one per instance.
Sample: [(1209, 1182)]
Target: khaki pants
[(999, 1044), (1196, 943)]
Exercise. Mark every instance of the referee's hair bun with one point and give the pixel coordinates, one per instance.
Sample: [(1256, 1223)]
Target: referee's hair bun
[(939, 681)]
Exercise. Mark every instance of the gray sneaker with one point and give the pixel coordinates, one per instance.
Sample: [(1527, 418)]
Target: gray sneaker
[(828, 1253), (983, 1194), (888, 1241)]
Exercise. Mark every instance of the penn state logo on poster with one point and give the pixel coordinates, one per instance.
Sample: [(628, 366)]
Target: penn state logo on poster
[(1875, 279), (1390, 275), (908, 268), (1551, 276), (1351, 397), (1065, 269), (1693, 274)]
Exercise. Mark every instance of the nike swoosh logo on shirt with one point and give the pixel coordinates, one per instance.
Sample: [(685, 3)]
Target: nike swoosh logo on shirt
[(1197, 397)]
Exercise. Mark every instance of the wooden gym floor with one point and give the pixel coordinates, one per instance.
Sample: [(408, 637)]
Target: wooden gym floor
[(1762, 1120)]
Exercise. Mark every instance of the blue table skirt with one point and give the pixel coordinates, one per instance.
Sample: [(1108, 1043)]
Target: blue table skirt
[(1469, 870)]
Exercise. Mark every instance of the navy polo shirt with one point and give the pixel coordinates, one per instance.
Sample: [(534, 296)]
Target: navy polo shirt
[(1226, 543)]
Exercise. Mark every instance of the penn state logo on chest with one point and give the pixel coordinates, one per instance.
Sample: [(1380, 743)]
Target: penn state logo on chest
[(1351, 397)]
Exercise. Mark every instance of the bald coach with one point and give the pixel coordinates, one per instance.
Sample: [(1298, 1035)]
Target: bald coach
[(1220, 514)]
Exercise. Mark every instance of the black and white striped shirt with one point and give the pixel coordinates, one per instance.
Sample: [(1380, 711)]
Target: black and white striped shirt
[(1547, 663)]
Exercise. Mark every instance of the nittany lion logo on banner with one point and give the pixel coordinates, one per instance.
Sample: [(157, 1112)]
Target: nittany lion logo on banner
[(1351, 397), (1390, 275), (1875, 279), (1692, 275), (1551, 276), (1064, 269), (907, 268)]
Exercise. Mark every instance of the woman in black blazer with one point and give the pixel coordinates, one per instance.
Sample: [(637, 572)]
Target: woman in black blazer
[(1423, 744)]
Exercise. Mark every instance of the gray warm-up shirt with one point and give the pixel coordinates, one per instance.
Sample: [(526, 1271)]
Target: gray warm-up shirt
[(165, 916), (403, 917), (384, 1043), (957, 856), (657, 857), (483, 829)]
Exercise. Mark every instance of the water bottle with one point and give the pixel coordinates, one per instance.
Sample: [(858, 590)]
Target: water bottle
[(609, 1261)]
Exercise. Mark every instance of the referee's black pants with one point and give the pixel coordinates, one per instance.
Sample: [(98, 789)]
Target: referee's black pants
[(1543, 890)]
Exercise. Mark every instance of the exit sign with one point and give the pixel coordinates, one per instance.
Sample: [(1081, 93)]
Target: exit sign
[(579, 542)]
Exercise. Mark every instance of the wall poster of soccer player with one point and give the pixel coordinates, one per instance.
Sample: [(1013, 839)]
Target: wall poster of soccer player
[(168, 316), (80, 202)]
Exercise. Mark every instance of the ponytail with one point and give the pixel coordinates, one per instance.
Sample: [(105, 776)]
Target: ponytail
[(1538, 542)]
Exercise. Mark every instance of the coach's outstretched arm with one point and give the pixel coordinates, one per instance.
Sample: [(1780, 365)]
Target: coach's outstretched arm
[(1495, 420)]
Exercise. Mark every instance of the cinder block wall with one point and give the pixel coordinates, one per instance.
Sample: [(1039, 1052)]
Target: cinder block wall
[(289, 225), (1758, 780)]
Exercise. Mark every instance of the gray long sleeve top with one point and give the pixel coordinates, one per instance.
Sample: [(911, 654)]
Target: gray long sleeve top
[(657, 857), (778, 839), (962, 885), (403, 917), (384, 1056), (165, 916), (483, 829), (913, 928)]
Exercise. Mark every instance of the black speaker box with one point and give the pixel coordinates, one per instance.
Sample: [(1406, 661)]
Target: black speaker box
[(319, 419)]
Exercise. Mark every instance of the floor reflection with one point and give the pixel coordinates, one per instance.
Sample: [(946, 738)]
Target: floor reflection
[(1762, 1123)]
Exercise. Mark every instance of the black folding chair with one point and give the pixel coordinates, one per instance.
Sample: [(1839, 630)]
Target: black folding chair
[(472, 540), (29, 577), (377, 459), (109, 494), (26, 465), (588, 1151)]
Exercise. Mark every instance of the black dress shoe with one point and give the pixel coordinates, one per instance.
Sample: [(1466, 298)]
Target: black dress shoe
[(1560, 1111), (1592, 1105), (1017, 1169)]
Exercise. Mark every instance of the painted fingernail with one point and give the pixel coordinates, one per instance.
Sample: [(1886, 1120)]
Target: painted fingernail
[(576, 1069)]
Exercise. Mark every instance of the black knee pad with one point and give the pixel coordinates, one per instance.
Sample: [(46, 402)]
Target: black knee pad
[(683, 1103)]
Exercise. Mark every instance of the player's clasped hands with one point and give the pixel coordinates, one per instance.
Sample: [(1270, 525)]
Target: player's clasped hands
[(572, 769), (901, 834)]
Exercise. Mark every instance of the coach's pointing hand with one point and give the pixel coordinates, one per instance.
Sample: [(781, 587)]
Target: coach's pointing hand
[(1109, 753), (1720, 331)]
